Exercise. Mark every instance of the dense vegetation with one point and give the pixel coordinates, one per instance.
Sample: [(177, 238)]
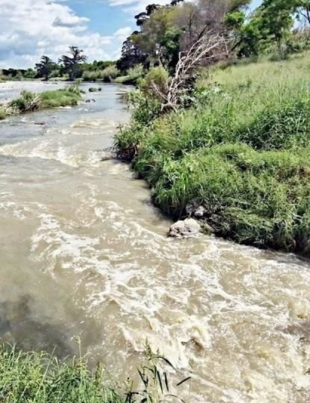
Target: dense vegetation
[(30, 102), (38, 377), (226, 132), (241, 150)]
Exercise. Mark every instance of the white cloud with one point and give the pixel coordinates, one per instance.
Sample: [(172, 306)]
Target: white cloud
[(31, 28), (135, 6)]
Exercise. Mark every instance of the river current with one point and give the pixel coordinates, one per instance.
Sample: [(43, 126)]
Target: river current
[(84, 253)]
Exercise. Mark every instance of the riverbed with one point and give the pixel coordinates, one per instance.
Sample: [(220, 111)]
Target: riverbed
[(84, 253)]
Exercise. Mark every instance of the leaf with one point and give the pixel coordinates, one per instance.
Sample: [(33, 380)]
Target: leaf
[(166, 381), (184, 380), (159, 380), (166, 360)]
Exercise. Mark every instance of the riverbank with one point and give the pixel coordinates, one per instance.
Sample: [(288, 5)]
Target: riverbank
[(31, 102), (239, 153), (84, 252)]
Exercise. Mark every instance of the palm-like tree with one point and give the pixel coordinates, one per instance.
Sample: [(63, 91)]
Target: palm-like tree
[(45, 67), (71, 63)]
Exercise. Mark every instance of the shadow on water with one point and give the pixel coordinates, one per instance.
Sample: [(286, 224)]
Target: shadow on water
[(17, 326)]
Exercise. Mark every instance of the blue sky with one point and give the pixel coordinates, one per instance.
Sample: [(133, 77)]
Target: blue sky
[(31, 28)]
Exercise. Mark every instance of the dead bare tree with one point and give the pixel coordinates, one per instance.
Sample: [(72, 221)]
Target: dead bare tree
[(209, 48)]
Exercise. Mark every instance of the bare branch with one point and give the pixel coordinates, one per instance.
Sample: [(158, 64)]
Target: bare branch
[(209, 48)]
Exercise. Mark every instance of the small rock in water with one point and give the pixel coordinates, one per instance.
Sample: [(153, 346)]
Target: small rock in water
[(200, 212), (186, 228), (90, 100)]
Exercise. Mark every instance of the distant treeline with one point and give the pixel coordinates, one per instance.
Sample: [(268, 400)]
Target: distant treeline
[(276, 28)]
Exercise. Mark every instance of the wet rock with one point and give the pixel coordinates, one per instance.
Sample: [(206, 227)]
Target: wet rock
[(88, 101), (200, 212), (108, 155), (186, 228), (190, 209), (207, 228), (196, 210)]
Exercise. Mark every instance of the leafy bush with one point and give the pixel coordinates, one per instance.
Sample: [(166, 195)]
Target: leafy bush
[(157, 76), (93, 75), (110, 73), (107, 75), (132, 76)]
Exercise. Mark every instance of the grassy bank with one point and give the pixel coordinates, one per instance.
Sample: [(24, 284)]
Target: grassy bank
[(241, 151), (30, 102), (41, 378), (38, 377)]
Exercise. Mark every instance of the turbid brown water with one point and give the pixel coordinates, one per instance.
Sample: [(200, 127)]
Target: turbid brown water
[(84, 253)]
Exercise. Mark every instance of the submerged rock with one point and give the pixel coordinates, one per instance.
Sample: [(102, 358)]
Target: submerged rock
[(186, 228)]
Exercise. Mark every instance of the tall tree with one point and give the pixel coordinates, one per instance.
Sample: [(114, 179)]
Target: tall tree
[(302, 8), (277, 19), (72, 62), (45, 67)]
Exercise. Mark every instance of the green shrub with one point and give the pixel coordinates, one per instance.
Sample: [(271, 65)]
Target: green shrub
[(110, 73), (132, 76), (107, 75), (157, 76), (93, 75)]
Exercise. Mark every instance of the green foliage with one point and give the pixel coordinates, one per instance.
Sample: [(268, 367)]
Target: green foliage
[(38, 377), (27, 101), (41, 378), (132, 76), (71, 63), (157, 76), (89, 75), (60, 98), (110, 73), (30, 102), (45, 67), (2, 114), (107, 75), (241, 151)]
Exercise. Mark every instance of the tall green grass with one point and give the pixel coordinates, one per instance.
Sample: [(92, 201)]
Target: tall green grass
[(41, 378), (242, 151), (38, 377)]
